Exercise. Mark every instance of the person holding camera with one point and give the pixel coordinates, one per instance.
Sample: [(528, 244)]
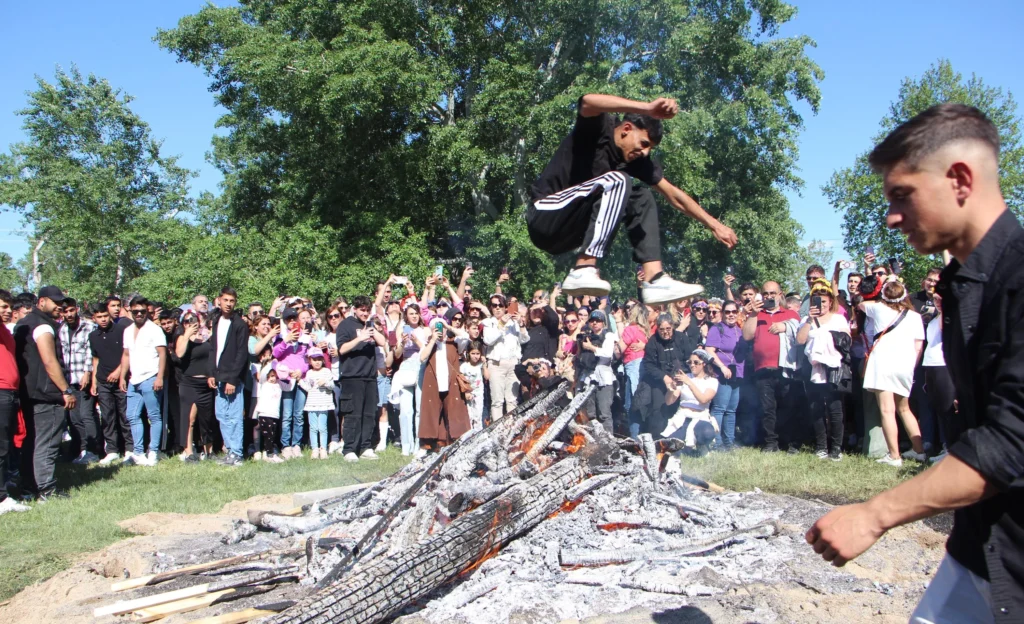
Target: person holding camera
[(444, 415), (694, 391), (503, 336), (594, 365), (825, 350), (665, 354), (542, 327), (772, 328)]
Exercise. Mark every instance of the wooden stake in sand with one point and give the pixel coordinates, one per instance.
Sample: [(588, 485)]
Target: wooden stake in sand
[(153, 579), (127, 606)]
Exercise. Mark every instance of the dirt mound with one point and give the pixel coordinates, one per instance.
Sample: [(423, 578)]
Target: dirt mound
[(69, 597)]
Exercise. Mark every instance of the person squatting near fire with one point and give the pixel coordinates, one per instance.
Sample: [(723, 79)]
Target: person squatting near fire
[(940, 173), (588, 189)]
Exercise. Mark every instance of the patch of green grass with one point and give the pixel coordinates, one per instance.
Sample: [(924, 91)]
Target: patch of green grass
[(39, 543), (855, 478)]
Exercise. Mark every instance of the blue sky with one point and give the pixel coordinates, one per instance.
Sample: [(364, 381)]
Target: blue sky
[(866, 49)]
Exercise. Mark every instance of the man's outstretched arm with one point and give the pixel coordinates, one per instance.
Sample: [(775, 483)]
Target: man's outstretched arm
[(846, 532), (686, 205), (596, 103)]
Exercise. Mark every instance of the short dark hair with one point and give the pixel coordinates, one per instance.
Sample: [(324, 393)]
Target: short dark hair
[(99, 308), (20, 304), (6, 297), (227, 290), (860, 275), (934, 271), (69, 303), (362, 301), (749, 286), (648, 123), (931, 130), (27, 297), (140, 300), (255, 303), (815, 268)]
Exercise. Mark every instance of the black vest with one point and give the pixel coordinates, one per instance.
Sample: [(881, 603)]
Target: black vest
[(36, 385)]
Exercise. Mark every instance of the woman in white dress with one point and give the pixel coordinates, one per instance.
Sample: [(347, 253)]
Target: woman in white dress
[(893, 352), (692, 423)]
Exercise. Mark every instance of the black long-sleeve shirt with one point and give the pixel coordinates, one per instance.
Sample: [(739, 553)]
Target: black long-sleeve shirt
[(983, 342)]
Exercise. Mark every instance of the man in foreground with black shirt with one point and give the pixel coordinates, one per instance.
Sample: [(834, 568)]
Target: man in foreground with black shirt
[(357, 353), (106, 344), (941, 176), (587, 190)]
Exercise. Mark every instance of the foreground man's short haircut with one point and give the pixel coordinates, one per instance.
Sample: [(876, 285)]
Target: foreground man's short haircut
[(914, 140)]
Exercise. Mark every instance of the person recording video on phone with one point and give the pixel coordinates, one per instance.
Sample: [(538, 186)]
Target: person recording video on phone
[(503, 336)]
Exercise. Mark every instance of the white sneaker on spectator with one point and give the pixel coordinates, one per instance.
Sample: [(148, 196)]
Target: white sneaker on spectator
[(130, 459), (149, 459), (109, 458), (334, 447), (381, 447), (420, 453), (585, 281), (9, 504), (274, 459), (821, 454), (666, 290), (368, 454), (85, 458), (910, 454), (885, 459), (351, 457), (257, 455)]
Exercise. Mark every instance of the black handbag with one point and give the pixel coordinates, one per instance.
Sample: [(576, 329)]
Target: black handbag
[(841, 377)]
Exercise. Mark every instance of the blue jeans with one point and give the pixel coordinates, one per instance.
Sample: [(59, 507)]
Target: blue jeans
[(230, 411), (292, 404), (317, 429), (723, 409), (632, 381), (141, 394)]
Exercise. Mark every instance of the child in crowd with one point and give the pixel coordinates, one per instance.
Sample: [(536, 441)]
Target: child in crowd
[(318, 383), (268, 411), (474, 371)]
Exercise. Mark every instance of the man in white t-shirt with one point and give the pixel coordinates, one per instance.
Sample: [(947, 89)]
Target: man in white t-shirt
[(143, 367)]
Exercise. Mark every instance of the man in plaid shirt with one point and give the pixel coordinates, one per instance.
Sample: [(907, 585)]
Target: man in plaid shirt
[(74, 341)]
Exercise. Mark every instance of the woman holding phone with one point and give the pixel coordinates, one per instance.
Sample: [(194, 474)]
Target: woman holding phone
[(818, 334), (444, 415), (412, 336)]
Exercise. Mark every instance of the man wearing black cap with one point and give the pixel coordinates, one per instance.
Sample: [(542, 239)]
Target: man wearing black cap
[(45, 391)]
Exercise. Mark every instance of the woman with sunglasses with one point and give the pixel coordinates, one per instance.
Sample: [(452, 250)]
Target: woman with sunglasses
[(567, 346), (332, 318), (695, 325), (823, 351), (693, 392), (728, 351)]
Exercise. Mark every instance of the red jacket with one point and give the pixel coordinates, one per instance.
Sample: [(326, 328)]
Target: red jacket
[(9, 378)]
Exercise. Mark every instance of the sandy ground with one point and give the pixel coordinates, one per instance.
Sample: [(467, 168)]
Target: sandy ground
[(882, 586)]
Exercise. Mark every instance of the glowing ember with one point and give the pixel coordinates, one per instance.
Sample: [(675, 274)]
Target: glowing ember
[(617, 526)]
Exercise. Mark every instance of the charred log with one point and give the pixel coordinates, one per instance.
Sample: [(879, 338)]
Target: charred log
[(362, 597)]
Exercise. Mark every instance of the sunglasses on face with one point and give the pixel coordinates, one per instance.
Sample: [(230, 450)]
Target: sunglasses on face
[(335, 315), (730, 311), (700, 306), (879, 273), (457, 319), (695, 362), (136, 312), (496, 305)]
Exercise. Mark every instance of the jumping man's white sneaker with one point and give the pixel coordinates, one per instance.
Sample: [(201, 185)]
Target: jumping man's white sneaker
[(667, 290), (585, 281)]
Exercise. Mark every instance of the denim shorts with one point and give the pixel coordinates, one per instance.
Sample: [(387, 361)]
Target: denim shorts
[(383, 389)]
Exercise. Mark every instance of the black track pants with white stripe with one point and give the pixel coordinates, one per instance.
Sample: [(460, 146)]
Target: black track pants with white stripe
[(586, 217)]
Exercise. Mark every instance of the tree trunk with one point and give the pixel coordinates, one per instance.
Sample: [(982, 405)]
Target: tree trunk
[(380, 590)]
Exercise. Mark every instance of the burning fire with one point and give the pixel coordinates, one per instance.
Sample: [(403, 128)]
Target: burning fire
[(490, 549), (616, 526)]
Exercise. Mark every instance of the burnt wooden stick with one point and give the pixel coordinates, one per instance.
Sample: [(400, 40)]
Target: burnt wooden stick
[(648, 585), (540, 407), (153, 579), (199, 602), (596, 558), (245, 615), (561, 422), (376, 592), (588, 486), (127, 606), (701, 483), (650, 457), (680, 503)]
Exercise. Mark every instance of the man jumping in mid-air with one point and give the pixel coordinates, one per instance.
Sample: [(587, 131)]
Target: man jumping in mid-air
[(588, 188)]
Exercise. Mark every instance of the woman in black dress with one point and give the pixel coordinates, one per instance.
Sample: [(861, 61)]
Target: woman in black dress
[(193, 350)]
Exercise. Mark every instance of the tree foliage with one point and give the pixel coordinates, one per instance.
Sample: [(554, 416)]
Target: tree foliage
[(92, 184), (11, 279), (856, 191), (437, 115)]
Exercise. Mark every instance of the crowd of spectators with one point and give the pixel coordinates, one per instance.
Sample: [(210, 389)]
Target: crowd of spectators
[(135, 381)]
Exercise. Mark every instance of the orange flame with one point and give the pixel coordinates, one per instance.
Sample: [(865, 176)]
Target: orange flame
[(578, 440), (490, 549), (615, 526)]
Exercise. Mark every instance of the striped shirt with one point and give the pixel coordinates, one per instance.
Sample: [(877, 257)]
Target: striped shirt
[(75, 350)]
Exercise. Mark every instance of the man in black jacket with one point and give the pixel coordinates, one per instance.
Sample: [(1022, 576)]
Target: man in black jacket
[(231, 337), (45, 393), (941, 175)]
